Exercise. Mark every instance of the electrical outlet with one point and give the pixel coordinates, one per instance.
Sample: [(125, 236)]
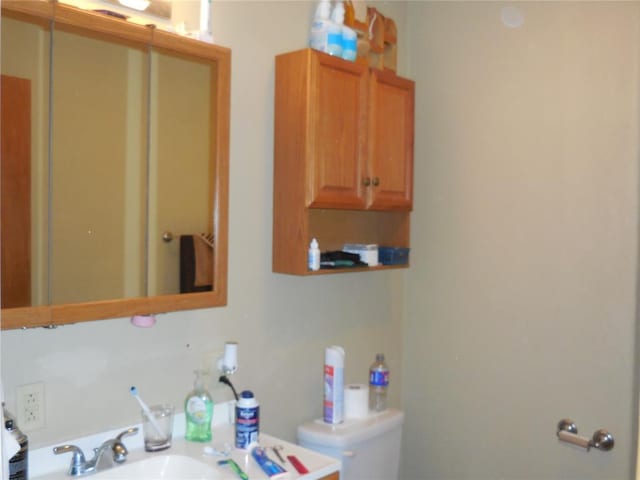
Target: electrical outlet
[(30, 402)]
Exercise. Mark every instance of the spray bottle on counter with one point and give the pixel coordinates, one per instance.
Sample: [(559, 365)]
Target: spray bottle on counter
[(18, 464), (334, 385)]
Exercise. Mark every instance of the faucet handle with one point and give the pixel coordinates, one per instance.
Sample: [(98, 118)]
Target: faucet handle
[(78, 460), (120, 452)]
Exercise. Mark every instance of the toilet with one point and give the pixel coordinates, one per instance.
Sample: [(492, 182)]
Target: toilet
[(369, 448)]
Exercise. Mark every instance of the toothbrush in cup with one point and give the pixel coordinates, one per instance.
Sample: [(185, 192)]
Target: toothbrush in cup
[(147, 411)]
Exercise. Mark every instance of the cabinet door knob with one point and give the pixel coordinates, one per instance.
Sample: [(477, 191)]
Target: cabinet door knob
[(366, 181), (376, 181)]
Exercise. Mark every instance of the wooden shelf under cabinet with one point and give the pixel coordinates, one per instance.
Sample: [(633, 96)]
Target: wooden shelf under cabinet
[(333, 228), (343, 158)]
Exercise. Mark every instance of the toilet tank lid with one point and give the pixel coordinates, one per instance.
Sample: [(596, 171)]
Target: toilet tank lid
[(351, 431)]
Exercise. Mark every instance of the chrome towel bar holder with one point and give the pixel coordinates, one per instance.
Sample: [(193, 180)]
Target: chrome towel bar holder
[(568, 432)]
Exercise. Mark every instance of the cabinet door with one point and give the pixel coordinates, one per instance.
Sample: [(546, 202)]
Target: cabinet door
[(338, 125), (390, 166)]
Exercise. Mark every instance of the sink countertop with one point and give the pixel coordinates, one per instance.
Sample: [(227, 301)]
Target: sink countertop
[(44, 465)]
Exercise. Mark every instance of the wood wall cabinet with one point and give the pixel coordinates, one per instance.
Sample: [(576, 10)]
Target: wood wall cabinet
[(343, 157), (332, 476)]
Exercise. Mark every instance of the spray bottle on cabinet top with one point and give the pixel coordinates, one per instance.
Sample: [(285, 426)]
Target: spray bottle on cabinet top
[(319, 35), (334, 38)]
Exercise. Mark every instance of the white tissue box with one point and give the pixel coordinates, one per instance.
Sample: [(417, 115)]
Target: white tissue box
[(368, 252)]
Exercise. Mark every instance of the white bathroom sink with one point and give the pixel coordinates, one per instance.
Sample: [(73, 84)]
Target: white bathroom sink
[(166, 467)]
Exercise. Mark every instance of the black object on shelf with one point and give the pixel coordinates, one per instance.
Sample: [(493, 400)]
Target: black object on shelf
[(340, 259)]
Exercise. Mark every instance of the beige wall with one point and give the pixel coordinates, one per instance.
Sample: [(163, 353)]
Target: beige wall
[(521, 299), (283, 323)]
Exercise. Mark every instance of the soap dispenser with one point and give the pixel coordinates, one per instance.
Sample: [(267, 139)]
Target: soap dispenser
[(198, 412)]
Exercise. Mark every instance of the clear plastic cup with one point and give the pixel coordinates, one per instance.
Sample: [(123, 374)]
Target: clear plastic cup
[(158, 430)]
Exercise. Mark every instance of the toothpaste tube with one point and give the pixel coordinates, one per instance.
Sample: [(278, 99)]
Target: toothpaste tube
[(271, 468)]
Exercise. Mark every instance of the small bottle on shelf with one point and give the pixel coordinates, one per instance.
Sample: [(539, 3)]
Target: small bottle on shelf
[(313, 256)]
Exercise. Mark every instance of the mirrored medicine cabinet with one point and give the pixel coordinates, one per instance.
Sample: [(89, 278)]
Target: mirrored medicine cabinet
[(115, 144)]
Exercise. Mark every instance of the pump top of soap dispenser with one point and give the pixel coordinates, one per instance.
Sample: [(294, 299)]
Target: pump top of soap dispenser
[(197, 382)]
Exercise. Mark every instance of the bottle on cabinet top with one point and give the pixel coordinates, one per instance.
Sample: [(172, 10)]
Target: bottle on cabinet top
[(319, 35), (343, 41), (334, 38)]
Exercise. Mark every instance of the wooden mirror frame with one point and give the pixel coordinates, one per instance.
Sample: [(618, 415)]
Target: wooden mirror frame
[(53, 315)]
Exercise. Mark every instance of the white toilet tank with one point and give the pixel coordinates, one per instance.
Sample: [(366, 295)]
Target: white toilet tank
[(369, 448)]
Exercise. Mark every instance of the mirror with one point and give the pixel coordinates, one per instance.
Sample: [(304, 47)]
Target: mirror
[(98, 168), (181, 183), (126, 141), (24, 161)]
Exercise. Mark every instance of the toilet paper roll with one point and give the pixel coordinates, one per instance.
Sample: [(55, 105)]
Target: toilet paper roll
[(356, 400)]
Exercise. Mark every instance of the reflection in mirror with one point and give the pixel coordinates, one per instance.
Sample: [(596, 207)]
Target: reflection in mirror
[(181, 180), (99, 162), (133, 142), (99, 169), (25, 122)]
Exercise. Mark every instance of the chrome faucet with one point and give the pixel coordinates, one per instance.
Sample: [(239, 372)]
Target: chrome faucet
[(108, 454)]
